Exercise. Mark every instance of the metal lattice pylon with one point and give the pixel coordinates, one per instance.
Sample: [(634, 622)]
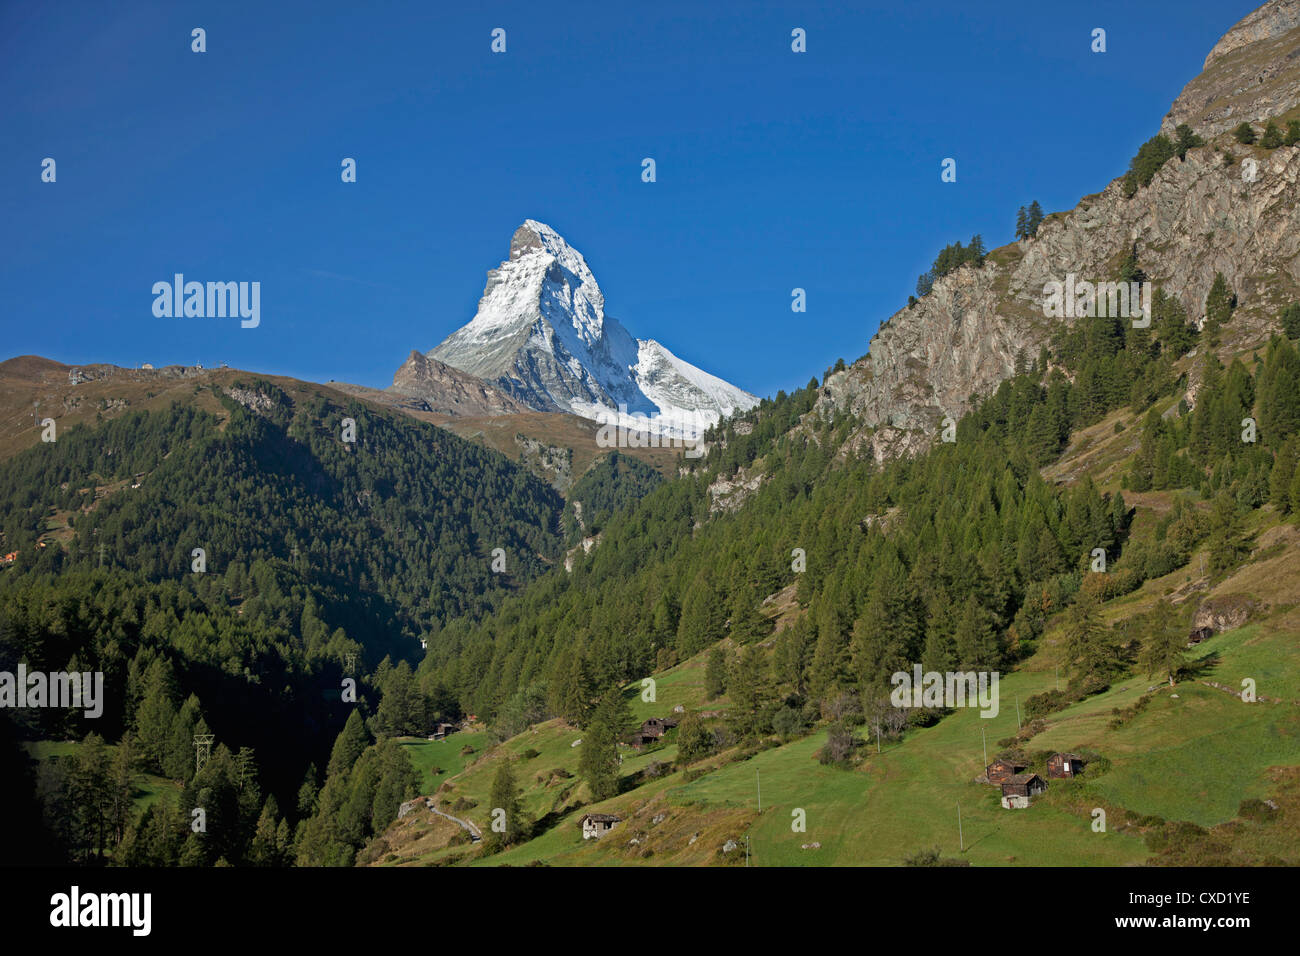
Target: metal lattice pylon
[(202, 750)]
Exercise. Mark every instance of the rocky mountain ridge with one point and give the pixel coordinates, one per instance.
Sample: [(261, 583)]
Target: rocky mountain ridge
[(1250, 75), (1198, 216), (449, 391)]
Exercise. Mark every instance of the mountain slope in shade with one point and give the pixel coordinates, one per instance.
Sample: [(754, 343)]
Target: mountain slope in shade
[(450, 391), (541, 335)]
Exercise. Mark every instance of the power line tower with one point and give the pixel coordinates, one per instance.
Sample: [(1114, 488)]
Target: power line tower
[(202, 750)]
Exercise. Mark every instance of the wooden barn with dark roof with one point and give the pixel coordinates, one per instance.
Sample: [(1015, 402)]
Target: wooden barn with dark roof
[(1002, 770), (1064, 766), (651, 730), (1018, 791)]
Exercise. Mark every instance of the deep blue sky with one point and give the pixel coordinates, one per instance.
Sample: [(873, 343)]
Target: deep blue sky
[(775, 169)]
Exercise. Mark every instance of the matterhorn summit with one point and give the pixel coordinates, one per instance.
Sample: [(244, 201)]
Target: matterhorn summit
[(541, 335)]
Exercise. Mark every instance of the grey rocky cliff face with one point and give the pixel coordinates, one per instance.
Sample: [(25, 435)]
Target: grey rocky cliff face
[(1195, 218), (1252, 73), (1273, 19)]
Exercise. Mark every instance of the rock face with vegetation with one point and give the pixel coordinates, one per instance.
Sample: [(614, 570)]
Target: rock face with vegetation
[(1198, 216), (1251, 74)]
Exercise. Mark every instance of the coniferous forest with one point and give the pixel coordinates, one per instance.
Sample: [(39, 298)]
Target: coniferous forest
[(325, 560)]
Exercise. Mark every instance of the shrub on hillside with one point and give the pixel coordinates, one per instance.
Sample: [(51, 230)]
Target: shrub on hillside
[(932, 857), (1040, 705), (1176, 837), (789, 723), (1256, 810), (1120, 717), (840, 744)]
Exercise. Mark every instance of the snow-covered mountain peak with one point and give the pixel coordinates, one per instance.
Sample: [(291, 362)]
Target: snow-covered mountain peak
[(541, 334)]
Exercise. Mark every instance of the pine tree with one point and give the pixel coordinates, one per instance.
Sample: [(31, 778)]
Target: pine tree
[(1226, 542), (178, 761), (1186, 139), (264, 849), (349, 745), (505, 802), (1022, 224), (1272, 138), (1034, 218), (1041, 441), (703, 617), (1290, 319), (1162, 648), (747, 692), (1279, 392), (1176, 335), (976, 640), (1118, 513), (572, 688), (1244, 134), (940, 653), (308, 792), (599, 762), (1219, 304), (1089, 647), (748, 623), (715, 674), (157, 712), (1283, 473), (791, 657)]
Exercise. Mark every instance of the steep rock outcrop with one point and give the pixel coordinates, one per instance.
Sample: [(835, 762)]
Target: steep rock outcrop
[(1250, 75), (1198, 216), (450, 391)]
